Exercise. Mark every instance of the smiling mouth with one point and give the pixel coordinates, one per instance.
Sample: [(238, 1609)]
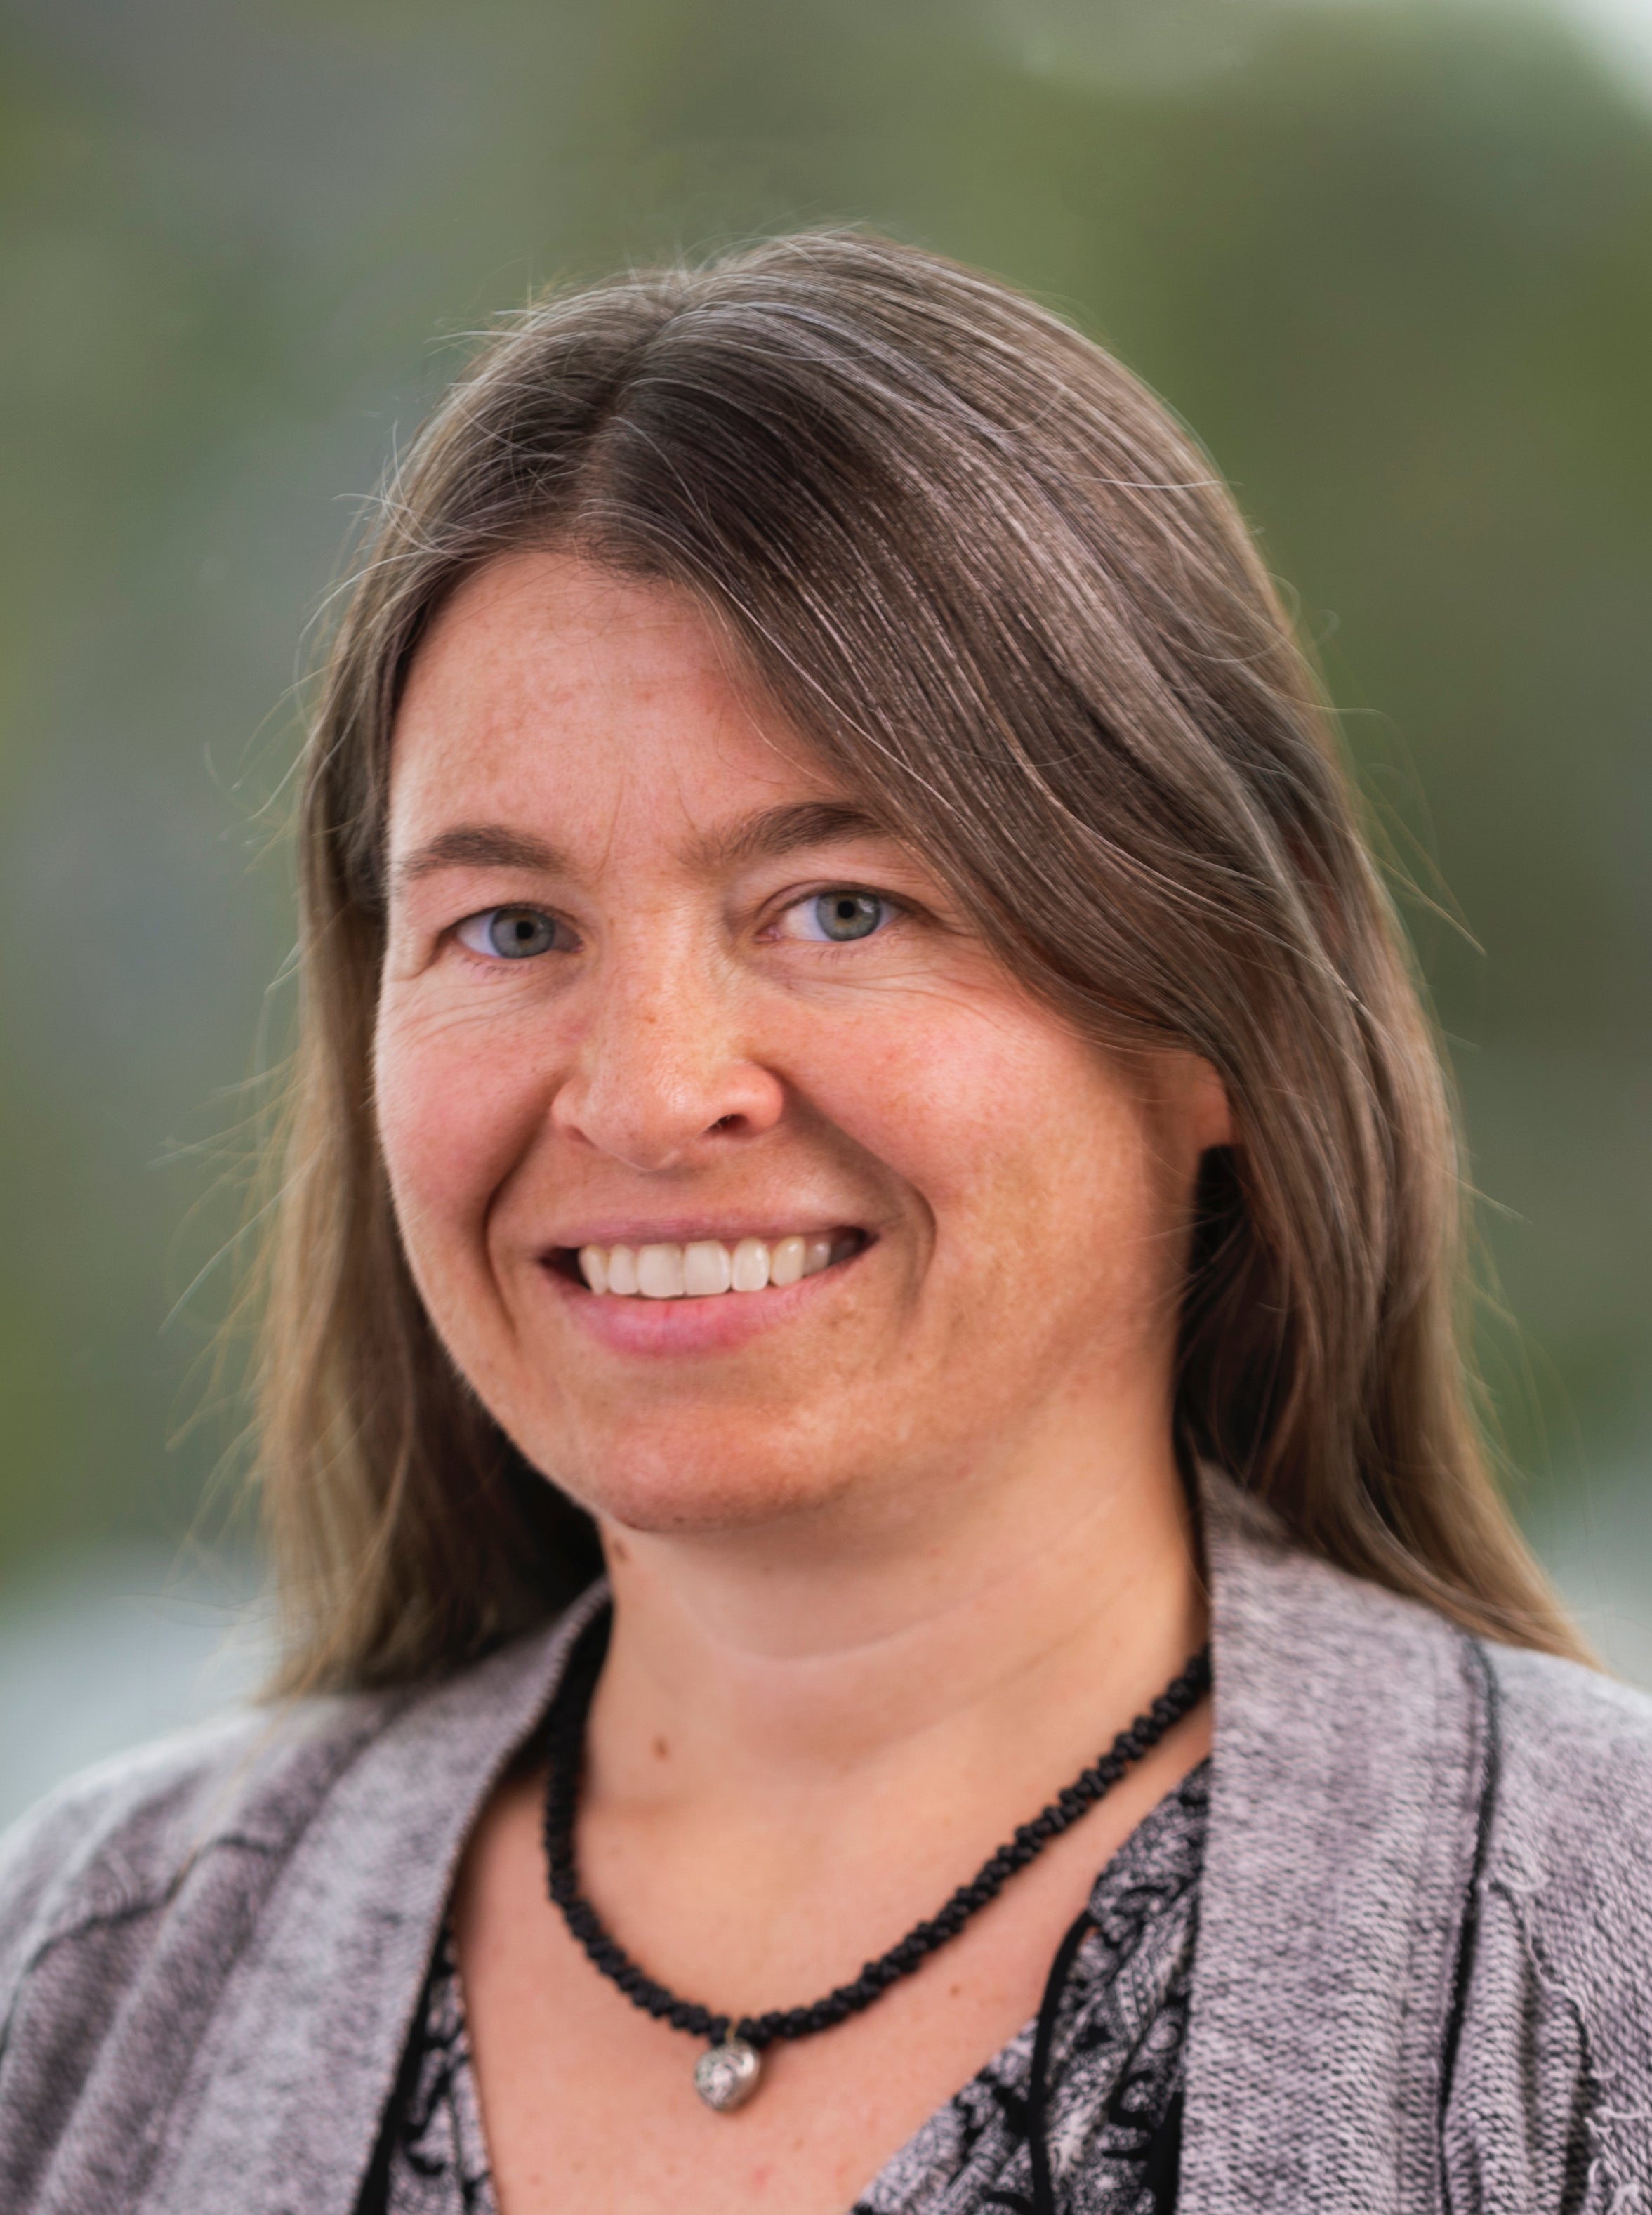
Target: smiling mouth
[(704, 1268)]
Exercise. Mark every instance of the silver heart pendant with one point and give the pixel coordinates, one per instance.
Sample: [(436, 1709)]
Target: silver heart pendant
[(725, 2077)]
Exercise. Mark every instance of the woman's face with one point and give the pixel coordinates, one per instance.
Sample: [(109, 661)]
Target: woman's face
[(652, 982)]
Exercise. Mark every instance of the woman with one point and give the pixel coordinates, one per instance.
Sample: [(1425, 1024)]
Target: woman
[(854, 1058)]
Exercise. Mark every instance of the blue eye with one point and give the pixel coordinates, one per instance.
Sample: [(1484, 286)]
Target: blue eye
[(514, 933), (841, 915)]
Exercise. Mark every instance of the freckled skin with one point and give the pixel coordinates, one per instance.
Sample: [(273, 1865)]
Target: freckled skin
[(1018, 1186), (888, 1572)]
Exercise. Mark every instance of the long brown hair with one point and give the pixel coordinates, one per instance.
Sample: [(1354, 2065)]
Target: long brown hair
[(1009, 600)]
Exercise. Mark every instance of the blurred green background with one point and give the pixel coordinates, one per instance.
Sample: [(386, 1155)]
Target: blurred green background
[(1393, 261)]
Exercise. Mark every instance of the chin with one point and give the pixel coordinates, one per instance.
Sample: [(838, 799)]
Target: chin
[(676, 1486)]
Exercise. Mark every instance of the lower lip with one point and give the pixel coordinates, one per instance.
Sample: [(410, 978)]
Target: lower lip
[(716, 1324)]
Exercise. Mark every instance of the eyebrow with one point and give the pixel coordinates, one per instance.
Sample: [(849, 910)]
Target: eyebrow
[(777, 831), (481, 846), (767, 836)]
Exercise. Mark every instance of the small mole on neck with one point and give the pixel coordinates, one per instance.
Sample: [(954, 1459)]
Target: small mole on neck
[(661, 1750)]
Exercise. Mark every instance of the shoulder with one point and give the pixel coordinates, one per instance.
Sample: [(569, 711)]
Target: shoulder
[(131, 1901), (202, 1940), (1554, 2067), (1571, 1830), (117, 1841)]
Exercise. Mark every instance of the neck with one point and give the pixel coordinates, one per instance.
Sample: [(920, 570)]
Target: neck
[(796, 1658)]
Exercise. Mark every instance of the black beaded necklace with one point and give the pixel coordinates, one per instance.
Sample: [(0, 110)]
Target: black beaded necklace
[(727, 2075)]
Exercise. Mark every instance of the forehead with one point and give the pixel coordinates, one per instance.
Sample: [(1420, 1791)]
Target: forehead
[(554, 692)]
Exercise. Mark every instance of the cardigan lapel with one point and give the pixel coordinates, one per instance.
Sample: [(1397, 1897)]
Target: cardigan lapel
[(303, 2054), (1345, 1787)]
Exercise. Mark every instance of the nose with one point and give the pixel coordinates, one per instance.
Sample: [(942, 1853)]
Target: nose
[(663, 1074)]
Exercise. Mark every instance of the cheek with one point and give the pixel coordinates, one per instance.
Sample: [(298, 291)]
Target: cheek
[(451, 1123), (1028, 1154)]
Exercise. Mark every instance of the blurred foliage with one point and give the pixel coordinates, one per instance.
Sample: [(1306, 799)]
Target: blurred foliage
[(1393, 261)]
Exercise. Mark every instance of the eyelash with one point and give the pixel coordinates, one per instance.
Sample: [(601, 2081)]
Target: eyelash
[(482, 923), (892, 909)]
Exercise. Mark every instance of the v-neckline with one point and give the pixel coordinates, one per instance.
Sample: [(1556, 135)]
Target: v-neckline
[(1157, 1861)]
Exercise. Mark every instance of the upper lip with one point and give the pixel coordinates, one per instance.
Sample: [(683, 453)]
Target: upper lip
[(686, 1231)]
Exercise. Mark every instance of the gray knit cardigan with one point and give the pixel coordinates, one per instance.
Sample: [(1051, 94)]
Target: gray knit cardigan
[(1423, 1977)]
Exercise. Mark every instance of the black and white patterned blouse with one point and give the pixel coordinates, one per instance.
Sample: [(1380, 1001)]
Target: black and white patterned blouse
[(1112, 2028)]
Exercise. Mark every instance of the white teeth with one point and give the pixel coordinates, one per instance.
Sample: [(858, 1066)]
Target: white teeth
[(750, 1265), (706, 1267), (785, 1261), (659, 1272)]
